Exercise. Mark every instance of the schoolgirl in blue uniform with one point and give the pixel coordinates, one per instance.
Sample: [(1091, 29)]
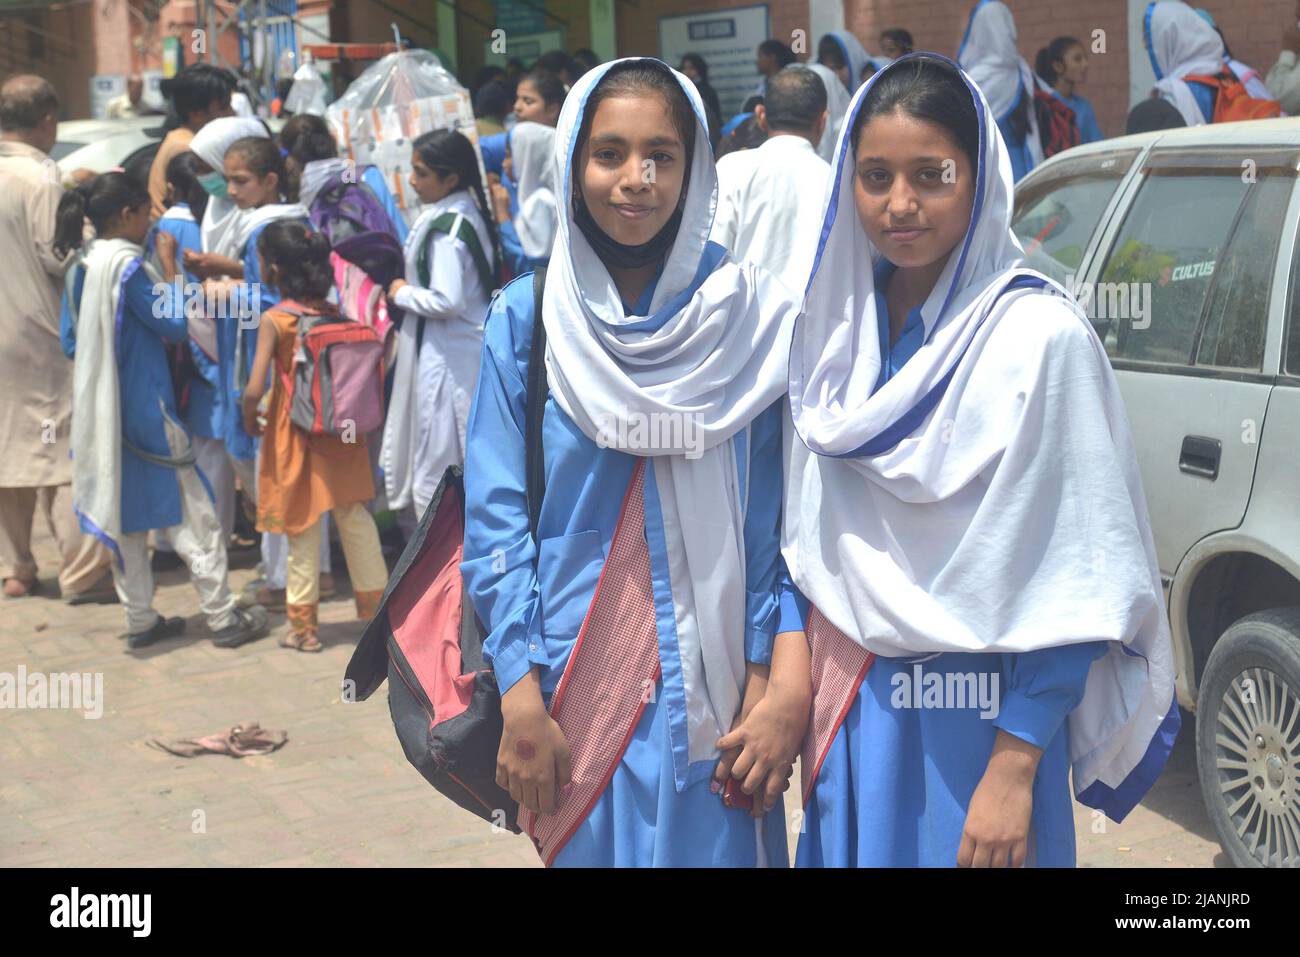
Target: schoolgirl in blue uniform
[(957, 459), (660, 439)]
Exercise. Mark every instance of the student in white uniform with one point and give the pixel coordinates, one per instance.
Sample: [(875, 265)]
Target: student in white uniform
[(770, 198), (452, 257)]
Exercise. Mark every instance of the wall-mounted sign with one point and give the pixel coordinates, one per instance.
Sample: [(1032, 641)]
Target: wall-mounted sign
[(728, 41)]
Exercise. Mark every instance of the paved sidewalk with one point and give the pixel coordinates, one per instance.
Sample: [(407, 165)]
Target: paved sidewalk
[(78, 791)]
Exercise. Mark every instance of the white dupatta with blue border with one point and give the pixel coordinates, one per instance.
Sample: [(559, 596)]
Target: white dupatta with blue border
[(986, 498)]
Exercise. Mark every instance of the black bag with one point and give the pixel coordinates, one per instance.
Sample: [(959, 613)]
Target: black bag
[(449, 723)]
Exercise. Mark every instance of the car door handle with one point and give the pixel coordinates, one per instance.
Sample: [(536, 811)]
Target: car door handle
[(1200, 456)]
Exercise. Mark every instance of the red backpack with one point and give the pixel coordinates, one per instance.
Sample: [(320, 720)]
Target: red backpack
[(1058, 129), (1232, 102), (337, 384)]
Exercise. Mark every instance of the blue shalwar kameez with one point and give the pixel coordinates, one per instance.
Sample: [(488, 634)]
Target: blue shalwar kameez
[(204, 413), (151, 494), (895, 785), (537, 608)]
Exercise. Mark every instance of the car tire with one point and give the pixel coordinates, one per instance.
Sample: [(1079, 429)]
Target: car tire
[(1248, 739)]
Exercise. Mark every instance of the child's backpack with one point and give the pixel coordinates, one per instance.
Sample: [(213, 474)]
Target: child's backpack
[(337, 385), (362, 299), (426, 640), (1058, 128), (358, 227), (1232, 101)]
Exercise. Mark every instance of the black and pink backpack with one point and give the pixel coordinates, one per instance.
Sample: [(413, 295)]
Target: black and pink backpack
[(426, 640)]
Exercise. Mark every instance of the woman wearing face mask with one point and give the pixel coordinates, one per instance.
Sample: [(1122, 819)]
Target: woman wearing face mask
[(659, 440), (963, 513), (243, 173)]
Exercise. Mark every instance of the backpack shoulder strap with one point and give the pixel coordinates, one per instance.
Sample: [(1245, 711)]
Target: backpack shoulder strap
[(534, 465)]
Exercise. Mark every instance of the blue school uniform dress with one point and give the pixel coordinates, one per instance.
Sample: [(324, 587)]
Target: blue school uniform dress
[(151, 493), (1205, 96), (203, 416), (538, 608), (898, 777), (512, 248), (493, 149), (260, 297), (1085, 117)]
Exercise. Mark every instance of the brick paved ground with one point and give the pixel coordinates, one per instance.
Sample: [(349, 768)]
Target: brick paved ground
[(91, 792)]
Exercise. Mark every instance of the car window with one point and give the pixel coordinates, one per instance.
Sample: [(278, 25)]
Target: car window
[(1057, 210), (1236, 322), (1150, 304)]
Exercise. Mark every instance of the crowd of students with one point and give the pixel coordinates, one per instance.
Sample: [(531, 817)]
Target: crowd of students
[(899, 449), (202, 384)]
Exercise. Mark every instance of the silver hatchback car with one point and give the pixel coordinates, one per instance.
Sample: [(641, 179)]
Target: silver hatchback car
[(1182, 246)]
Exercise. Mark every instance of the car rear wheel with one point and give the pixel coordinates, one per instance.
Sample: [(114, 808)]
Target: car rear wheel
[(1248, 739)]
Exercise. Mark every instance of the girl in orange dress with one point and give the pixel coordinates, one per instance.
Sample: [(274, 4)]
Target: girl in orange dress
[(302, 476)]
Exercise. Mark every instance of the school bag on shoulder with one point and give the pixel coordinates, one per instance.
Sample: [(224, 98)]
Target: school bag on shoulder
[(362, 299), (454, 224), (337, 384), (358, 227), (1058, 128), (1233, 102), (427, 641)]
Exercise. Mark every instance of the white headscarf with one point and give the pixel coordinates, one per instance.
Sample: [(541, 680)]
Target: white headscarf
[(222, 219), (97, 426), (989, 55), (712, 355), (315, 175), (855, 55), (532, 154), (1181, 44), (986, 498), (837, 104)]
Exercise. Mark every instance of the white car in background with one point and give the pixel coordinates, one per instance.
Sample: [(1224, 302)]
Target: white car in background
[(100, 145), (1187, 245)]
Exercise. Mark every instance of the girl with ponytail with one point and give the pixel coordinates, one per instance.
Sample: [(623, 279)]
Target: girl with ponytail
[(301, 477), (453, 257), (1063, 66), (133, 463)]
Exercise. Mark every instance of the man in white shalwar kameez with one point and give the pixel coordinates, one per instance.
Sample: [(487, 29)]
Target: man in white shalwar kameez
[(770, 198), (36, 402)]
